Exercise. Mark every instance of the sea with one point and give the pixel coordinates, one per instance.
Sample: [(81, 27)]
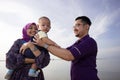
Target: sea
[(108, 69)]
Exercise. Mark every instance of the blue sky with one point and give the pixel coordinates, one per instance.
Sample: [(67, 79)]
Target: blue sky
[(104, 14)]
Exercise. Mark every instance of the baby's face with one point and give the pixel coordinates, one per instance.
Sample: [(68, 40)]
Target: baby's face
[(44, 25)]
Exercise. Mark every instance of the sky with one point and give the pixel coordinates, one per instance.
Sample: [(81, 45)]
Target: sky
[(104, 14)]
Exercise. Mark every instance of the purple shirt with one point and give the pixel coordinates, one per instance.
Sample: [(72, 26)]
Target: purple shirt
[(84, 65)]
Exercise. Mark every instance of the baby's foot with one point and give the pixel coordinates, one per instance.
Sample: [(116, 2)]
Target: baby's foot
[(7, 76)]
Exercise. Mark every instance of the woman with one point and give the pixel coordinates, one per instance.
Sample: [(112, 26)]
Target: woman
[(21, 63)]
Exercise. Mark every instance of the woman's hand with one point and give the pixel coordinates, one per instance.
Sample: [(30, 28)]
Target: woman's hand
[(24, 47)]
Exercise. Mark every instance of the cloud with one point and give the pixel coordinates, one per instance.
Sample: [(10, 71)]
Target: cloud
[(62, 17), (8, 32), (103, 22), (99, 25), (8, 35), (24, 12)]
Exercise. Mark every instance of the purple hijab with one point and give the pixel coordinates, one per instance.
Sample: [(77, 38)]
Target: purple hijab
[(24, 31)]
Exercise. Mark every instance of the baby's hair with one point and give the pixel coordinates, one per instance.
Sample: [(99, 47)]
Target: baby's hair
[(44, 18)]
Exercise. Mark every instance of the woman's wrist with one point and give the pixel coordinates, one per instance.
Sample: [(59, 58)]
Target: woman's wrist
[(34, 48)]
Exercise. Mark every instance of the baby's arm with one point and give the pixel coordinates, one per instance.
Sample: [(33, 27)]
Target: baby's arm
[(49, 41)]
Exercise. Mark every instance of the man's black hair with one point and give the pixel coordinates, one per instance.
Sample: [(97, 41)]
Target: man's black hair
[(84, 19)]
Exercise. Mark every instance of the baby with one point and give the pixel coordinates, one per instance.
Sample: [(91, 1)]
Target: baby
[(44, 26)]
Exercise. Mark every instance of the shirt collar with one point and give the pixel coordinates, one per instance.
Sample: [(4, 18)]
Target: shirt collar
[(82, 39)]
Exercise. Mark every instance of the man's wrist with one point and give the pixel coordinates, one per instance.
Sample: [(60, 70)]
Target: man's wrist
[(46, 46)]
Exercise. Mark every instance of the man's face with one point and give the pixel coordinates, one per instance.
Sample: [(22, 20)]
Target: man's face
[(80, 29)]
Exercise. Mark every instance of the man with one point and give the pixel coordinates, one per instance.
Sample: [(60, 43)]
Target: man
[(82, 53)]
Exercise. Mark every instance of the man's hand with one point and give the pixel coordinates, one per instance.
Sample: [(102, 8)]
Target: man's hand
[(38, 41)]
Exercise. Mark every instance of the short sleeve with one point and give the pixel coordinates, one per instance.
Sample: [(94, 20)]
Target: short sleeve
[(42, 34), (84, 48), (75, 51)]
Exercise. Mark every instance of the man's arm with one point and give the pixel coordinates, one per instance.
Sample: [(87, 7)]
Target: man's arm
[(49, 41), (57, 51), (60, 52)]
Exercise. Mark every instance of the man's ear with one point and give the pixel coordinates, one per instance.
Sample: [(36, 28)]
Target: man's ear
[(87, 27)]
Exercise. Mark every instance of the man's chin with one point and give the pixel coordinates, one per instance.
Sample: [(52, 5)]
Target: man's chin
[(77, 35)]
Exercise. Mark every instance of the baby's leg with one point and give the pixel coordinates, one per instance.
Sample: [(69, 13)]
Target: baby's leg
[(9, 73), (34, 66), (32, 71)]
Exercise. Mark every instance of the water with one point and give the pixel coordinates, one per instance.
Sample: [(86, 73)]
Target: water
[(56, 70), (108, 69)]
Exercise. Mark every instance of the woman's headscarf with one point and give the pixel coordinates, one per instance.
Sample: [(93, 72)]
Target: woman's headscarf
[(24, 31)]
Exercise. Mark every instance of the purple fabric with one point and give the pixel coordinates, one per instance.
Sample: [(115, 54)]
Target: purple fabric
[(24, 32), (22, 74), (84, 65), (15, 61)]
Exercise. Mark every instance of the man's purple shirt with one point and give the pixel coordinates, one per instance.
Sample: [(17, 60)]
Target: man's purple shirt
[(83, 67)]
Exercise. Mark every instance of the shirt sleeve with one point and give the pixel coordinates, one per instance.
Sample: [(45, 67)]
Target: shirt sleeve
[(42, 34), (75, 51), (83, 49)]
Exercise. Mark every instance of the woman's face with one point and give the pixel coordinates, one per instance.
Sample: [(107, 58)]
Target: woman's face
[(32, 30)]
